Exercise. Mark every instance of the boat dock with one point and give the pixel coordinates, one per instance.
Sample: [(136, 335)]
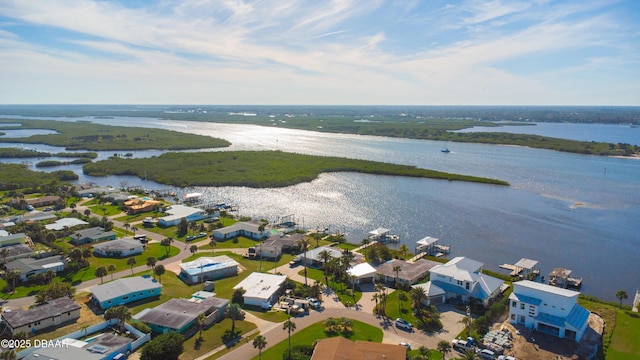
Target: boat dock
[(383, 236), (524, 268), (560, 277), (417, 257), (429, 245)]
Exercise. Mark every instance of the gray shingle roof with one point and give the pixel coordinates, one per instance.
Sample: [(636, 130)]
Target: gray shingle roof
[(55, 307)]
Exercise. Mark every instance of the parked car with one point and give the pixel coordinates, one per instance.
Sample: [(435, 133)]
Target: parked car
[(313, 302), (462, 345), (47, 209), (486, 354), (201, 235), (506, 357), (294, 262), (403, 324), (404, 343), (190, 238)]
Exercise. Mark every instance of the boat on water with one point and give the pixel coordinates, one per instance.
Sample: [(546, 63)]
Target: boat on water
[(445, 150)]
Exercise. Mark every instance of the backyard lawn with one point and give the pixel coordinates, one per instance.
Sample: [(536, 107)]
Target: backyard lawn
[(624, 342), (309, 335), (212, 338)]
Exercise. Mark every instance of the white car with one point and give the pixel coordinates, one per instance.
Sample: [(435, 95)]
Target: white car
[(506, 357), (404, 324), (313, 302), (406, 344)]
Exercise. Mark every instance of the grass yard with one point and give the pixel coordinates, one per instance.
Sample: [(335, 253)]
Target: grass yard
[(339, 288), (212, 338), (105, 209), (172, 287), (405, 310), (309, 335), (243, 242), (624, 341)]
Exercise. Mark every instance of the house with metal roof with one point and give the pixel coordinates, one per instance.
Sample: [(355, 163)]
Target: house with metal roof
[(313, 255), (13, 239), (262, 289), (92, 235), (208, 268), (125, 290), (30, 266), (252, 229), (119, 248), (53, 313), (180, 314), (362, 273), (462, 278), (65, 222), (548, 309), (175, 214)]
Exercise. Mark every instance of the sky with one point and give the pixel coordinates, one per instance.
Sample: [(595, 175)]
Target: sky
[(341, 52)]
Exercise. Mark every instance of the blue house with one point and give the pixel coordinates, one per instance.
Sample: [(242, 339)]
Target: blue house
[(125, 290)]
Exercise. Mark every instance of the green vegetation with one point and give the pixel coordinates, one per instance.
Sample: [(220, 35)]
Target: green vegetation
[(310, 334), (624, 342), (213, 338), (258, 169), (13, 153), (96, 137), (50, 163), (15, 176)]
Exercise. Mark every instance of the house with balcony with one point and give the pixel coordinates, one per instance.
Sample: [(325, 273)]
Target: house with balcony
[(461, 278), (548, 309)]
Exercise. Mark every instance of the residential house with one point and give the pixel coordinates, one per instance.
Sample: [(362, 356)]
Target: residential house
[(106, 346), (17, 251), (410, 272), (175, 213), (43, 201), (362, 273), (30, 266), (462, 278), (178, 315), (339, 348), (138, 205), (262, 289), (208, 268), (53, 313), (13, 239), (435, 294), (119, 248), (313, 255), (278, 244), (92, 235), (548, 309), (125, 290), (250, 229), (63, 223), (117, 198)]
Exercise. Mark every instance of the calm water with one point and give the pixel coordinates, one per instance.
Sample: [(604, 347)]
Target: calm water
[(562, 209)]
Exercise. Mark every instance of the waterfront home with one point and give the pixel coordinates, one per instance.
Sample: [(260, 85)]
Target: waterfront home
[(313, 258), (278, 244), (410, 272), (548, 309), (119, 248), (208, 268), (92, 235), (180, 314), (462, 278), (52, 313), (30, 266), (434, 294), (125, 290), (251, 229), (175, 213), (362, 273), (262, 289), (137, 205), (339, 348)]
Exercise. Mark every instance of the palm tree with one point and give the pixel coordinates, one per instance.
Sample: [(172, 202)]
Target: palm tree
[(200, 321), (290, 326), (444, 347), (126, 227), (424, 352), (134, 229), (304, 244), (166, 242), (151, 262), (379, 287), (621, 295), (404, 250), (234, 313), (159, 270), (325, 256), (131, 262), (417, 296), (13, 275), (4, 252), (470, 355), (101, 272), (111, 269), (397, 269), (212, 244), (8, 355), (259, 342), (122, 313), (193, 249)]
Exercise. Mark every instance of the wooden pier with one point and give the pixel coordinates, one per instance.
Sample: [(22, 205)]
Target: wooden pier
[(429, 245), (417, 257), (524, 268)]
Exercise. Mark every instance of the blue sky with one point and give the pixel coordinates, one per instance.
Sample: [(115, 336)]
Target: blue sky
[(537, 52)]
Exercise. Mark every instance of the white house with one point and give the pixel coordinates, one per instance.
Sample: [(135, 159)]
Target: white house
[(251, 229), (363, 273), (462, 278), (261, 289), (176, 213), (548, 309), (119, 248), (208, 268)]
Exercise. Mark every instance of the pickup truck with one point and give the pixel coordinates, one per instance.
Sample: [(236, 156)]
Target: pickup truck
[(462, 345)]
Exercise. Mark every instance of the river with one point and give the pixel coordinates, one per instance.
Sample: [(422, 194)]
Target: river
[(564, 210)]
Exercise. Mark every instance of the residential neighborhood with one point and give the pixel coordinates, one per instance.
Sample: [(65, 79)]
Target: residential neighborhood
[(217, 282)]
